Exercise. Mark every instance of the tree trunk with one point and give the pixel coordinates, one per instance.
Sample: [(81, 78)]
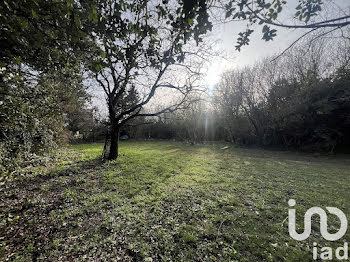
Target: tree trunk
[(110, 150), (114, 143)]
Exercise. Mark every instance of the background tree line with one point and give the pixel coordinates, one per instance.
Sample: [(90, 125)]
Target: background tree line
[(300, 101)]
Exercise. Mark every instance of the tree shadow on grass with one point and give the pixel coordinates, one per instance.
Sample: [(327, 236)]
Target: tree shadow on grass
[(31, 182), (69, 202), (48, 206), (27, 207)]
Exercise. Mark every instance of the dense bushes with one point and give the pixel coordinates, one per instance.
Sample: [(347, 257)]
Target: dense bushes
[(35, 113), (310, 117)]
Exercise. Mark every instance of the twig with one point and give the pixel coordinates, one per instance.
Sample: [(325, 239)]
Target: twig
[(292, 44)]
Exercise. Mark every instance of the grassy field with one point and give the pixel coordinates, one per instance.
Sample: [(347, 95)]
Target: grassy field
[(164, 201)]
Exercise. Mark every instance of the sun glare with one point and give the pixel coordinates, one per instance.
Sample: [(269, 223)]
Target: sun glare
[(215, 69)]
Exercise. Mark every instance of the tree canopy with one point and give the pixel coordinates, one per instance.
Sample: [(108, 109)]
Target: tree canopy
[(45, 35)]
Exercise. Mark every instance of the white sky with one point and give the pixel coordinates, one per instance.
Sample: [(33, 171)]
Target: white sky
[(259, 48)]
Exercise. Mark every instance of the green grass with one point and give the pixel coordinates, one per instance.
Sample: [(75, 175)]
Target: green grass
[(166, 201)]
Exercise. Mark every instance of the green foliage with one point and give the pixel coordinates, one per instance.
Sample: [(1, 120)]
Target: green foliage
[(43, 45), (243, 39), (188, 20), (307, 9), (34, 112), (43, 34), (268, 34), (313, 114)]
